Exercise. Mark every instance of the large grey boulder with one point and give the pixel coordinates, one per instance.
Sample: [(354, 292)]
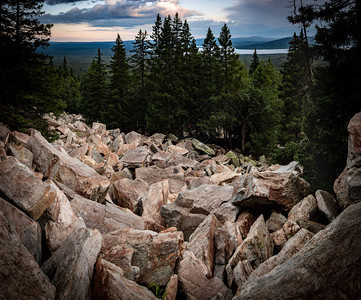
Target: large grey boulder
[(21, 186), (63, 168), (327, 267), (136, 158), (70, 268), (20, 275)]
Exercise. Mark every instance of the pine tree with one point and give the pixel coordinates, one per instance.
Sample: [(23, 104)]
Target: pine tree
[(94, 90), (157, 27), (24, 92), (139, 62), (254, 62)]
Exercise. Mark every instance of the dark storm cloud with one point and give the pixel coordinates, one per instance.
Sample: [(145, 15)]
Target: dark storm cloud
[(55, 2), (114, 13)]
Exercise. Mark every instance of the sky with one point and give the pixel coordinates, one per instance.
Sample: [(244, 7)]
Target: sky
[(99, 20)]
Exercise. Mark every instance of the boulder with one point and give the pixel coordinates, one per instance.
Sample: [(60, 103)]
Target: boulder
[(293, 245), (181, 218), (172, 288), (28, 230), (154, 174), (224, 178), (205, 199), (99, 128), (152, 203), (256, 248), (62, 221), (176, 150), (22, 154), (201, 242), (233, 158), (70, 268), (82, 150), (19, 138), (136, 158), (224, 246), (194, 182), (202, 147), (133, 138), (340, 189), (275, 221), (154, 254), (127, 193), (327, 204), (20, 275), (22, 187), (66, 169), (109, 282), (354, 159), (105, 218), (323, 268), (195, 285), (270, 190), (304, 210)]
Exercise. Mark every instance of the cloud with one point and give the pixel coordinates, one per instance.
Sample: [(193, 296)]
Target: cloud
[(55, 2), (120, 13)]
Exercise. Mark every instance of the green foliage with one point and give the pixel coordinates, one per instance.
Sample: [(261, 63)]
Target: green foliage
[(254, 62), (158, 291)]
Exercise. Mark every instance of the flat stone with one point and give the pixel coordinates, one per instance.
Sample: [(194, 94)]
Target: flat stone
[(22, 154), (202, 147), (275, 221), (20, 275), (304, 210), (172, 288), (22, 187), (106, 218), (139, 157), (154, 174)]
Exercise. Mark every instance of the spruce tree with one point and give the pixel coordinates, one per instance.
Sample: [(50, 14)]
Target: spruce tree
[(139, 61), (254, 62), (94, 91), (25, 92)]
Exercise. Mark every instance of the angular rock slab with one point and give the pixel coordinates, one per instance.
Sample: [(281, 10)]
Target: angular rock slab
[(256, 248), (154, 254), (327, 267), (127, 193), (20, 185), (303, 210), (28, 230), (202, 147), (154, 174), (201, 242), (109, 283), (70, 268), (105, 218), (292, 246), (62, 221), (20, 275), (354, 159), (67, 170), (139, 157), (181, 218), (205, 199), (195, 285), (270, 190), (327, 204)]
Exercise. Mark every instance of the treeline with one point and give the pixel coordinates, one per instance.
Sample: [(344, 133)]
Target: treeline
[(169, 85)]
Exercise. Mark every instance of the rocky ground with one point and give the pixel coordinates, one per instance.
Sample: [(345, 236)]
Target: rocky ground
[(100, 214)]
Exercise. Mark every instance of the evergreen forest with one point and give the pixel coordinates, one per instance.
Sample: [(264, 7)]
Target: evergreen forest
[(169, 85)]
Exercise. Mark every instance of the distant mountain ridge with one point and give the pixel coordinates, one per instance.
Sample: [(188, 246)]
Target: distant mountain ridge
[(89, 49)]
